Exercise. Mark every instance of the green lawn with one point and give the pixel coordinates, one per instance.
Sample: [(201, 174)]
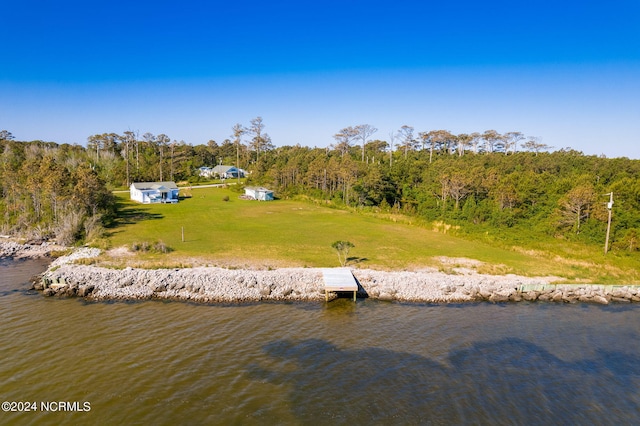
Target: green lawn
[(294, 233)]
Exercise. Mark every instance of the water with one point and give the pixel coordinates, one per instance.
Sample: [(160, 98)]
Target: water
[(315, 363)]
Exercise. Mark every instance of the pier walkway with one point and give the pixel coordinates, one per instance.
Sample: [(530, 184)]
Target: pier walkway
[(339, 279)]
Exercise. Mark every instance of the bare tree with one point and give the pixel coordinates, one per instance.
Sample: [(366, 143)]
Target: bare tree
[(259, 140), (6, 135), (344, 139), (392, 139), (511, 141), (576, 206), (458, 187), (491, 139), (150, 139), (534, 144), (101, 143), (128, 138), (267, 144), (364, 132), (464, 140), (443, 140), (134, 141), (162, 140), (96, 142), (408, 142), (449, 140), (238, 131), (172, 147), (427, 139), (476, 138)]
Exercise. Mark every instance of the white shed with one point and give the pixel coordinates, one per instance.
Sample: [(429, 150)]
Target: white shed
[(258, 193), (154, 192)]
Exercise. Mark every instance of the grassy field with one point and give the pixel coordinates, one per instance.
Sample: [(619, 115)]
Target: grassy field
[(242, 233)]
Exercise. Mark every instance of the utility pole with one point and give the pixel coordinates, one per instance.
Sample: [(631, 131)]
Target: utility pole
[(238, 162), (610, 208)]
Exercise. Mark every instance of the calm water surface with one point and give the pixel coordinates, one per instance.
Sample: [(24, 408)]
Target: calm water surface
[(315, 363)]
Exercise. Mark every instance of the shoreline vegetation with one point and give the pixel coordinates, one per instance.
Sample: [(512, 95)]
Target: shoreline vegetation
[(219, 285)]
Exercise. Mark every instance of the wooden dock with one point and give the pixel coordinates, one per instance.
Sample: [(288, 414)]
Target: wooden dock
[(339, 279)]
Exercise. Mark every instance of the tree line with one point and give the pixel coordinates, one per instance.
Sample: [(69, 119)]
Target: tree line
[(478, 180), (51, 191), (561, 193)]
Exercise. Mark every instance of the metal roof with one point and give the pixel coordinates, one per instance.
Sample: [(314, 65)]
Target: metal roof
[(258, 188), (155, 185)]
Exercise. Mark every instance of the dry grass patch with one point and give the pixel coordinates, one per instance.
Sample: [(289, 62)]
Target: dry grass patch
[(494, 269)]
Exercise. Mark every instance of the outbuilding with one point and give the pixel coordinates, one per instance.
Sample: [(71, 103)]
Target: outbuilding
[(154, 192), (258, 193), (205, 172), (227, 172)]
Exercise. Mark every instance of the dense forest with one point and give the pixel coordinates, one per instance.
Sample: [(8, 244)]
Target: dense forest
[(475, 181)]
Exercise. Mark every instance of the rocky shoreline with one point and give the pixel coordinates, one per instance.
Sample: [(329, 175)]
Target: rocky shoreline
[(219, 285), (15, 250)]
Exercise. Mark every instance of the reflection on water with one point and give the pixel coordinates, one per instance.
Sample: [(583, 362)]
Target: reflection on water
[(308, 363), (508, 380), (503, 381)]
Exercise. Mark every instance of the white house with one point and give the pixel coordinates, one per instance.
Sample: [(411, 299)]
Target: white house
[(258, 193), (205, 171), (227, 172), (154, 192)]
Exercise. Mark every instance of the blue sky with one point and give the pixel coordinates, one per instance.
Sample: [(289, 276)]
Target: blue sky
[(567, 72)]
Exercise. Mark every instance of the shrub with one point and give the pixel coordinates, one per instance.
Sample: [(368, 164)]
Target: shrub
[(101, 243), (161, 247), (69, 227), (93, 228), (630, 240), (140, 246), (157, 247)]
